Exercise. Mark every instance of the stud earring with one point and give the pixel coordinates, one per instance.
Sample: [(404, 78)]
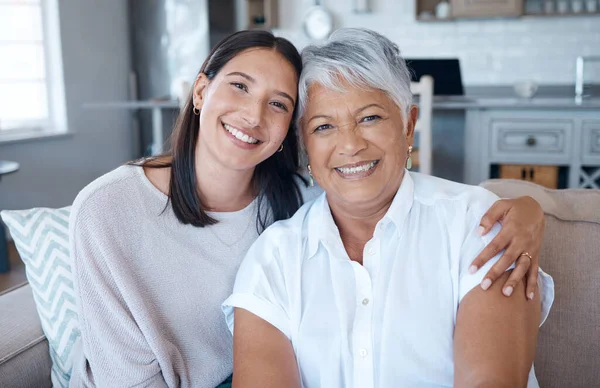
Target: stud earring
[(312, 181), (409, 160)]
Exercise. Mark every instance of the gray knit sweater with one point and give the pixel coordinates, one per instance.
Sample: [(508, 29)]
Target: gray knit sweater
[(149, 288)]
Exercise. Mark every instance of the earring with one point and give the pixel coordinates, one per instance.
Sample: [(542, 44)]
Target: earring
[(280, 148), (196, 111), (312, 181), (409, 161)]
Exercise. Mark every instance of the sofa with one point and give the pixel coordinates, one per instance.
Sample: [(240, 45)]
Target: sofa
[(568, 352)]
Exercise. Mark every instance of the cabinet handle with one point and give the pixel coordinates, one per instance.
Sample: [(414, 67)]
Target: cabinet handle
[(531, 141)]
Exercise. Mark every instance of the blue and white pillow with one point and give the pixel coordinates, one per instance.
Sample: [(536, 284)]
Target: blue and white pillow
[(41, 236)]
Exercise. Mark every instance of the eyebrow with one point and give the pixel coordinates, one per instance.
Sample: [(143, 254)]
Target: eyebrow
[(355, 112), (251, 79), (366, 107), (318, 117)]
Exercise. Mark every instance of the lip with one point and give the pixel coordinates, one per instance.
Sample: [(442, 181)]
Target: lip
[(358, 175), (238, 142)]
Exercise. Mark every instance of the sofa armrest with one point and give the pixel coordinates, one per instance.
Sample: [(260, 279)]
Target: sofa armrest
[(24, 355)]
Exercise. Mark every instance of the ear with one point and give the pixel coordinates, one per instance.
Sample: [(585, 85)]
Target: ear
[(413, 116), (199, 91)]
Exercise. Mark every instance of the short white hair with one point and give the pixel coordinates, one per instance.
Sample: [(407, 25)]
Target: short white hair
[(363, 58)]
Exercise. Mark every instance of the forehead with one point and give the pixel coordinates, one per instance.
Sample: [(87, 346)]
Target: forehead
[(265, 61), (343, 92)]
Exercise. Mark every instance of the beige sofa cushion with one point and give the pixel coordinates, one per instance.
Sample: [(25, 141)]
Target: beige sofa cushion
[(568, 352), (24, 355)]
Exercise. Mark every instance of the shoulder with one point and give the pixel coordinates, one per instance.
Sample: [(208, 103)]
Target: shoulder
[(430, 190), (114, 187), (293, 229), (283, 239)]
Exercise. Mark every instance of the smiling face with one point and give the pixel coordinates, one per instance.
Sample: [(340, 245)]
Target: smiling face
[(357, 143), (246, 109)]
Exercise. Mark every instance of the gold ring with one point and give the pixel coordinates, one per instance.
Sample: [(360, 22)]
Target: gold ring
[(526, 254)]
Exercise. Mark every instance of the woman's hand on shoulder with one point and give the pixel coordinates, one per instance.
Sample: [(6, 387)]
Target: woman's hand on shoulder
[(523, 225)]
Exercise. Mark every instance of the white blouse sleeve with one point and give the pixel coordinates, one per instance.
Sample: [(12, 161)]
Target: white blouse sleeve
[(473, 244), (260, 284)]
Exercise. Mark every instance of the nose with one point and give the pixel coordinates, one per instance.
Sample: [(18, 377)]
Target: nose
[(350, 141), (253, 113)]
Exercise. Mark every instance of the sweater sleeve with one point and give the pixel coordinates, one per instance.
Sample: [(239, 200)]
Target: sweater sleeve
[(114, 350)]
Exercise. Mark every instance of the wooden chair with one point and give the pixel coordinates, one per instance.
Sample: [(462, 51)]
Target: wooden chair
[(424, 89)]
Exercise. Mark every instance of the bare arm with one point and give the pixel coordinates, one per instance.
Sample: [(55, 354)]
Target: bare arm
[(263, 356), (495, 337)]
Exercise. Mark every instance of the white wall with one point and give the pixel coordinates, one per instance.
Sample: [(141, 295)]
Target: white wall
[(492, 52), (95, 50)]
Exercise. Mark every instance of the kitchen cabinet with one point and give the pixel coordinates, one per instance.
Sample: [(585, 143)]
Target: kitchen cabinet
[(568, 140), (482, 9), (546, 176), (486, 8)]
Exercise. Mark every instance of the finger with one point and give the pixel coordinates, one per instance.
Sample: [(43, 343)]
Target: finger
[(495, 246), (494, 214), (532, 278), (523, 264), (501, 266)]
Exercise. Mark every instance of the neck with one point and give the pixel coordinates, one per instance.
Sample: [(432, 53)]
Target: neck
[(357, 225), (223, 189)]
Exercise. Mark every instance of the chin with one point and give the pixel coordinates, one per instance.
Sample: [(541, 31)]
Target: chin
[(358, 196)]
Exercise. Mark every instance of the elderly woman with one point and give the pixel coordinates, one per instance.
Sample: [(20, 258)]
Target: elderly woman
[(371, 284)]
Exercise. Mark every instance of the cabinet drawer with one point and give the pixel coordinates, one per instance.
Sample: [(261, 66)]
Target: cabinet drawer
[(531, 140), (546, 176), (591, 141)]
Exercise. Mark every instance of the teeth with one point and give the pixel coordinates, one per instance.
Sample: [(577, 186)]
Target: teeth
[(357, 169), (239, 135)]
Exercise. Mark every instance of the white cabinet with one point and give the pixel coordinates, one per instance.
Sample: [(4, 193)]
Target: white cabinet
[(567, 138)]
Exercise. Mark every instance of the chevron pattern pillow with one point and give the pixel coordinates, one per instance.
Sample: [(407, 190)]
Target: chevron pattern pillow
[(41, 236)]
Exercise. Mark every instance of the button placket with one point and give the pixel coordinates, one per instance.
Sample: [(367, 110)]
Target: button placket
[(362, 330)]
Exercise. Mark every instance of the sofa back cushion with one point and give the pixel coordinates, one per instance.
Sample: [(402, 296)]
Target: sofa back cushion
[(41, 236), (568, 351)]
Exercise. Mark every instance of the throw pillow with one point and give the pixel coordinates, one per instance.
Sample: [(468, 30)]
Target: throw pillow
[(41, 236)]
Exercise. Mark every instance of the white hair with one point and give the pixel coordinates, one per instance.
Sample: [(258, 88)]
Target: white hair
[(361, 57)]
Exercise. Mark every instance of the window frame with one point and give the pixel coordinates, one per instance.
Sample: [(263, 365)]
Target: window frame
[(55, 124)]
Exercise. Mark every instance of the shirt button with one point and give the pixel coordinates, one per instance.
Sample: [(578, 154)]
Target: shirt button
[(371, 251), (363, 352), (365, 301)]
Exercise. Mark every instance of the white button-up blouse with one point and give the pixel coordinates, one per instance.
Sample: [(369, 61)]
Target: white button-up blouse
[(386, 323)]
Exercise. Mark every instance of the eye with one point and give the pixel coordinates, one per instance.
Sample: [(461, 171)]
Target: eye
[(370, 118), (280, 105), (322, 127), (240, 86)]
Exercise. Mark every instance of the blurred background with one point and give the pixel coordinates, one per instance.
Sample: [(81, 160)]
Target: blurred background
[(88, 85)]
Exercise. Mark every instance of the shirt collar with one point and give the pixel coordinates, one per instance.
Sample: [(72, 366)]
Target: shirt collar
[(322, 228)]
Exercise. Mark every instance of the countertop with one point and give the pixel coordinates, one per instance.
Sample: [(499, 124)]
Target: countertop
[(480, 102)]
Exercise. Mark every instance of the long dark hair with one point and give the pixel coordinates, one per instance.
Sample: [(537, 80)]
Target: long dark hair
[(274, 178)]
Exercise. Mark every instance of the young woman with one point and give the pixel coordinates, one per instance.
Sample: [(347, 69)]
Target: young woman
[(156, 244)]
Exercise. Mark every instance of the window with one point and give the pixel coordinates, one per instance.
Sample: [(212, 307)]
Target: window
[(28, 72)]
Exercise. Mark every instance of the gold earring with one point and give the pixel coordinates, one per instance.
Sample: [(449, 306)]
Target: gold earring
[(312, 181), (196, 111), (280, 148), (409, 161)]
